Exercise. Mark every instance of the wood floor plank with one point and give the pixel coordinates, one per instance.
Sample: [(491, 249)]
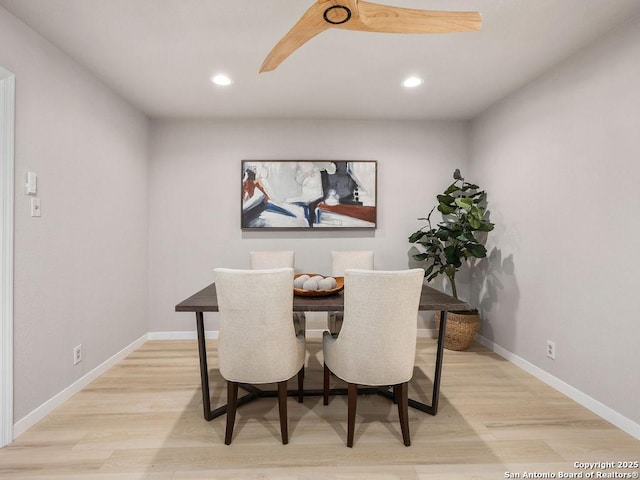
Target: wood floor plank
[(143, 420)]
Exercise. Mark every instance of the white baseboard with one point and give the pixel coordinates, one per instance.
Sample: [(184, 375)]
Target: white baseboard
[(50, 405), (610, 415)]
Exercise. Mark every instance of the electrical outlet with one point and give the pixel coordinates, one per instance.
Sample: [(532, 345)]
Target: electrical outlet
[(35, 207), (551, 349), (77, 354)]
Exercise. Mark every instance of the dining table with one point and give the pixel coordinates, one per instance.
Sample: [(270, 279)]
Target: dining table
[(206, 300)]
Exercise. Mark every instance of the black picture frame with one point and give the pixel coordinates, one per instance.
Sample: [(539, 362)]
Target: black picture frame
[(309, 194)]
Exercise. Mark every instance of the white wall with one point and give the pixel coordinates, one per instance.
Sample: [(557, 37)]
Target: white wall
[(195, 175), (80, 269), (558, 159), (561, 162)]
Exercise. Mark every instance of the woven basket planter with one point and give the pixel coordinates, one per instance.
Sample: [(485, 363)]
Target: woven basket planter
[(461, 329)]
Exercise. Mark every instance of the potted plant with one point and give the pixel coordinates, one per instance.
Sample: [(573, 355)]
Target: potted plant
[(448, 245)]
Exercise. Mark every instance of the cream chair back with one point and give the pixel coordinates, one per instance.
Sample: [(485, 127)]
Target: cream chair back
[(262, 259), (377, 343), (257, 341), (342, 260)]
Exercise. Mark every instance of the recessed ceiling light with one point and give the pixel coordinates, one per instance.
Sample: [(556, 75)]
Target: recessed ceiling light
[(412, 82), (221, 80)]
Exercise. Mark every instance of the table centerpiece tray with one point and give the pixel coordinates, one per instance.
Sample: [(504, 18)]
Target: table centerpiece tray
[(318, 293)]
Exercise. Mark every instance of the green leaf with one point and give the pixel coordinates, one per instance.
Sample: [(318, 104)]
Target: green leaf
[(443, 234), (429, 270), (445, 199), (486, 227), (453, 255), (477, 250), (454, 229), (464, 203), (479, 197), (416, 236), (421, 256), (474, 222), (466, 237), (476, 212), (452, 188), (446, 209)]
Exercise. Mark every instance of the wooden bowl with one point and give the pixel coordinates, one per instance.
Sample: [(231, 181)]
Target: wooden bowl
[(301, 292)]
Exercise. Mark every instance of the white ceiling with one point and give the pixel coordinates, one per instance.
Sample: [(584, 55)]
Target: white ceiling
[(160, 54)]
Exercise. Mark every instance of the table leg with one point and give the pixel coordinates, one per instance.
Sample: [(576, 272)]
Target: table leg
[(435, 395), (439, 358), (204, 370)]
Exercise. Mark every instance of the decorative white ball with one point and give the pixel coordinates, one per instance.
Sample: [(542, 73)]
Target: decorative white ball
[(333, 281), (310, 284), (317, 278), (299, 281), (325, 284)]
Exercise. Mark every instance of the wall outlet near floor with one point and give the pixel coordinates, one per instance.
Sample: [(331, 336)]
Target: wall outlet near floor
[(77, 354), (551, 349)]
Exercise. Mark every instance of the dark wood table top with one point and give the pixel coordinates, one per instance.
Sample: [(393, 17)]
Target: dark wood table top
[(430, 299)]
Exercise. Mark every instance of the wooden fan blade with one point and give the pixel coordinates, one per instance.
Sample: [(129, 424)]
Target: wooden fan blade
[(374, 17), (309, 25)]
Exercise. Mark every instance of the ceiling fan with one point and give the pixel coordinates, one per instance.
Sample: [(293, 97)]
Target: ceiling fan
[(366, 17)]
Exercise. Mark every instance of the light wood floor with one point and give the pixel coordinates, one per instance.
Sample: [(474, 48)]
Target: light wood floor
[(143, 420)]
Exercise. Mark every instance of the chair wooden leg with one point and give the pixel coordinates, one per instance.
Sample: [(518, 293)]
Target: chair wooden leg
[(301, 385), (338, 326), (335, 323), (403, 410), (325, 386), (352, 390), (282, 405), (232, 404), (331, 322)]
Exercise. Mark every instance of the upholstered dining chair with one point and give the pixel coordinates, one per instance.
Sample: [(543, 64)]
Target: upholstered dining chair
[(340, 261), (257, 343), (261, 259), (377, 343)]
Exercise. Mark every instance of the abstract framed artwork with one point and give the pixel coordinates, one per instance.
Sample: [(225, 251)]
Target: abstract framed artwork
[(306, 194)]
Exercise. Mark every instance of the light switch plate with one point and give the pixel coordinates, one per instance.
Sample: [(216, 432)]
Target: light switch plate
[(31, 185)]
